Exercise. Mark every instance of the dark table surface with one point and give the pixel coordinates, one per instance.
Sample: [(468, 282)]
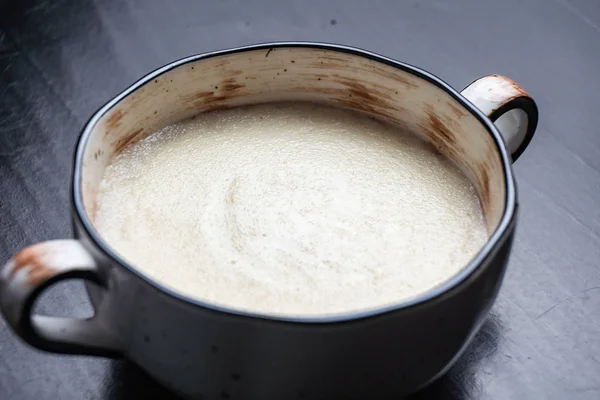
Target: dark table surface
[(62, 59)]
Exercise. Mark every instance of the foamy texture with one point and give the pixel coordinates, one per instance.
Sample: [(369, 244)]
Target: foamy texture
[(293, 209)]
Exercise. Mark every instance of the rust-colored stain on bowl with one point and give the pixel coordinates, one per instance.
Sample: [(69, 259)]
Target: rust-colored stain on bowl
[(324, 64), (114, 120), (459, 112), (333, 58), (437, 131), (364, 98), (519, 91), (230, 85), (221, 63), (128, 139), (484, 194), (440, 130), (222, 93), (312, 75), (341, 64), (201, 95), (395, 76), (32, 258), (352, 96)]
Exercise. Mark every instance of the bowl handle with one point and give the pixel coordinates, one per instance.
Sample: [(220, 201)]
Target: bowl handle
[(25, 276), (496, 95)]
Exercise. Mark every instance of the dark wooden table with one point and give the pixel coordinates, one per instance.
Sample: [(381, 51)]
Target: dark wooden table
[(62, 59)]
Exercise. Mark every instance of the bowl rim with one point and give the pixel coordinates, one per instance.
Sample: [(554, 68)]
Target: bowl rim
[(496, 239)]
